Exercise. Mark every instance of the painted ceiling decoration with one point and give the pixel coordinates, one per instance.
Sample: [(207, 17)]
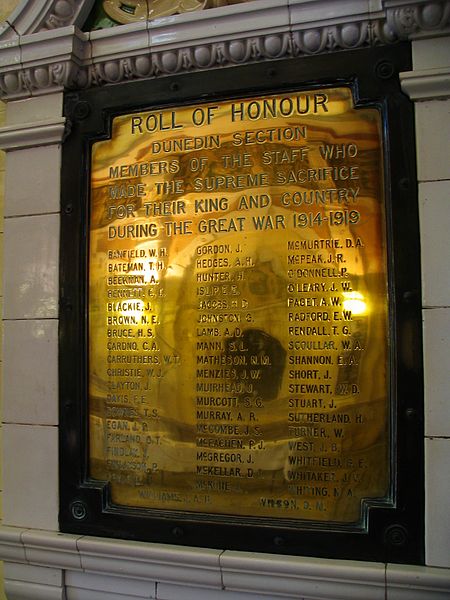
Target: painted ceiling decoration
[(50, 45)]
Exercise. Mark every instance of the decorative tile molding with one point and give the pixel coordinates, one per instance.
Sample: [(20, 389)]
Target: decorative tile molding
[(417, 583), (91, 586), (302, 578), (40, 133), (202, 57), (48, 548), (257, 575), (417, 18), (42, 50), (11, 545), (49, 62), (157, 562), (426, 84)]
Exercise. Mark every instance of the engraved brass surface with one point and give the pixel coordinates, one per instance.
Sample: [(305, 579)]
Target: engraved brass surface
[(238, 309)]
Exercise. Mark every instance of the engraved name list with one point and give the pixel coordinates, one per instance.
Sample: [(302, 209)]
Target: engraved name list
[(238, 309)]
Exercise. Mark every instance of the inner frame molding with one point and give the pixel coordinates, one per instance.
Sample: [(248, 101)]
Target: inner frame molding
[(391, 533)]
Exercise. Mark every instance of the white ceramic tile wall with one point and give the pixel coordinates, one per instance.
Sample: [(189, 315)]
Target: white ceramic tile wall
[(30, 476), (264, 17), (314, 13), (433, 146), (31, 187), (24, 590), (42, 575), (410, 582), (10, 53), (437, 493), (30, 372), (76, 593), (30, 439), (158, 561), (51, 548), (436, 342), (129, 40), (312, 578), (13, 549), (433, 136), (31, 267), (178, 592), (431, 53), (31, 110), (90, 585), (434, 207)]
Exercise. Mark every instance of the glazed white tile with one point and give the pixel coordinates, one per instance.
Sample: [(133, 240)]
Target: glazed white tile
[(311, 13), (34, 109), (35, 189), (228, 22), (51, 548), (344, 580), (414, 582), (73, 593), (300, 577), (433, 139), (30, 372), (96, 584), (30, 476), (181, 592), (437, 493), (431, 53), (31, 268), (24, 590), (434, 210), (31, 573), (11, 545), (375, 6), (125, 40), (40, 48), (436, 350), (159, 562), (427, 84), (29, 135), (9, 53)]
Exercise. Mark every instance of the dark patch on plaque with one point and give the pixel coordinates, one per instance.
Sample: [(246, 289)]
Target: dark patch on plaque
[(263, 352)]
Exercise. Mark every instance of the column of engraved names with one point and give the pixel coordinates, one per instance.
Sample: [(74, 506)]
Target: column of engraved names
[(226, 410), (323, 374), (134, 362)]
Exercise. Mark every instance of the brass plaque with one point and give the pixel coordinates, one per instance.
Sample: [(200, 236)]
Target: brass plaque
[(238, 309)]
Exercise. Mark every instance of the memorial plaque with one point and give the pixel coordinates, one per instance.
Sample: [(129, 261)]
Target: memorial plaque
[(238, 308), (240, 320)]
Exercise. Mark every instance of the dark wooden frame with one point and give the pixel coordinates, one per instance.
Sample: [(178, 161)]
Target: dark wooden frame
[(392, 534)]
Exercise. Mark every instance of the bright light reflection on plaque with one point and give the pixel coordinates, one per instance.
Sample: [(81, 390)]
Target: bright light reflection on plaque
[(238, 323)]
